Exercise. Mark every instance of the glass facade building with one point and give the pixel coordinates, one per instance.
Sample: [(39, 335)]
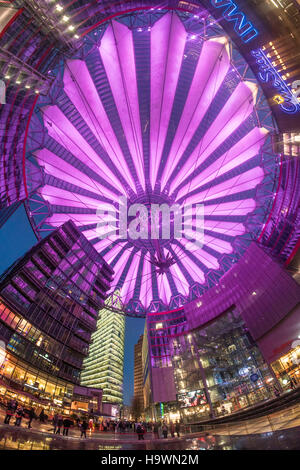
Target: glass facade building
[(217, 369), (49, 303), (235, 346), (103, 367)]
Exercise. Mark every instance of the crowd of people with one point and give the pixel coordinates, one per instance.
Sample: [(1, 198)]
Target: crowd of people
[(62, 424), (19, 412), (157, 429), (59, 422)]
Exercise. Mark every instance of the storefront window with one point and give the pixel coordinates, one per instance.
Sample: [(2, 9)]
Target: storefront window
[(36, 384), (7, 369), (18, 375), (50, 388), (30, 379), (42, 383), (287, 368), (60, 390)]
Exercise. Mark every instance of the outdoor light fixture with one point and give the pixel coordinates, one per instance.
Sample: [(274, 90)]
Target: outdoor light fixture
[(278, 99)]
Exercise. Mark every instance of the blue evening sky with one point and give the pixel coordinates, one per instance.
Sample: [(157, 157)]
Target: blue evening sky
[(17, 237)]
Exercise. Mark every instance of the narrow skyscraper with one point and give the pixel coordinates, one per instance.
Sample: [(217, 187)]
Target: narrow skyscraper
[(138, 372), (103, 368)]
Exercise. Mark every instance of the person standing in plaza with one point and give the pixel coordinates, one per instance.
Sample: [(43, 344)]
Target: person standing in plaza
[(84, 426), (55, 421), (140, 431), (67, 424), (42, 416), (59, 424), (91, 425), (31, 415), (19, 416), (177, 428), (10, 411), (156, 430), (165, 431)]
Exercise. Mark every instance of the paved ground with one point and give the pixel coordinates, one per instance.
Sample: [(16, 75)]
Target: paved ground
[(20, 439), (279, 420), (280, 430)]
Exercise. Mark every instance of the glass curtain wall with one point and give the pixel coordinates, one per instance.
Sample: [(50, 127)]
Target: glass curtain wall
[(218, 369)]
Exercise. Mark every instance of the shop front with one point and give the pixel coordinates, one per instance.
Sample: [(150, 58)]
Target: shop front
[(32, 387), (287, 368), (87, 399)]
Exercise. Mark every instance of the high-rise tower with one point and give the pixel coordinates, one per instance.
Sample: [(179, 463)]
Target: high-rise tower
[(103, 368), (138, 372)]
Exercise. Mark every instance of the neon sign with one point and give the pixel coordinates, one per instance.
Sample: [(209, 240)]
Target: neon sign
[(242, 26), (268, 74)]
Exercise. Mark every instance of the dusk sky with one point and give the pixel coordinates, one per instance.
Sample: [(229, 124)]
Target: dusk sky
[(17, 237)]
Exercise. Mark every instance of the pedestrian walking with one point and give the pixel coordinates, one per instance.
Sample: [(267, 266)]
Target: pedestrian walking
[(177, 428), (172, 429), (165, 431)]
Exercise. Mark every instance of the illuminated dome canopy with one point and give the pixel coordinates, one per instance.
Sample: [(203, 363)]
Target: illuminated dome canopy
[(158, 107)]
